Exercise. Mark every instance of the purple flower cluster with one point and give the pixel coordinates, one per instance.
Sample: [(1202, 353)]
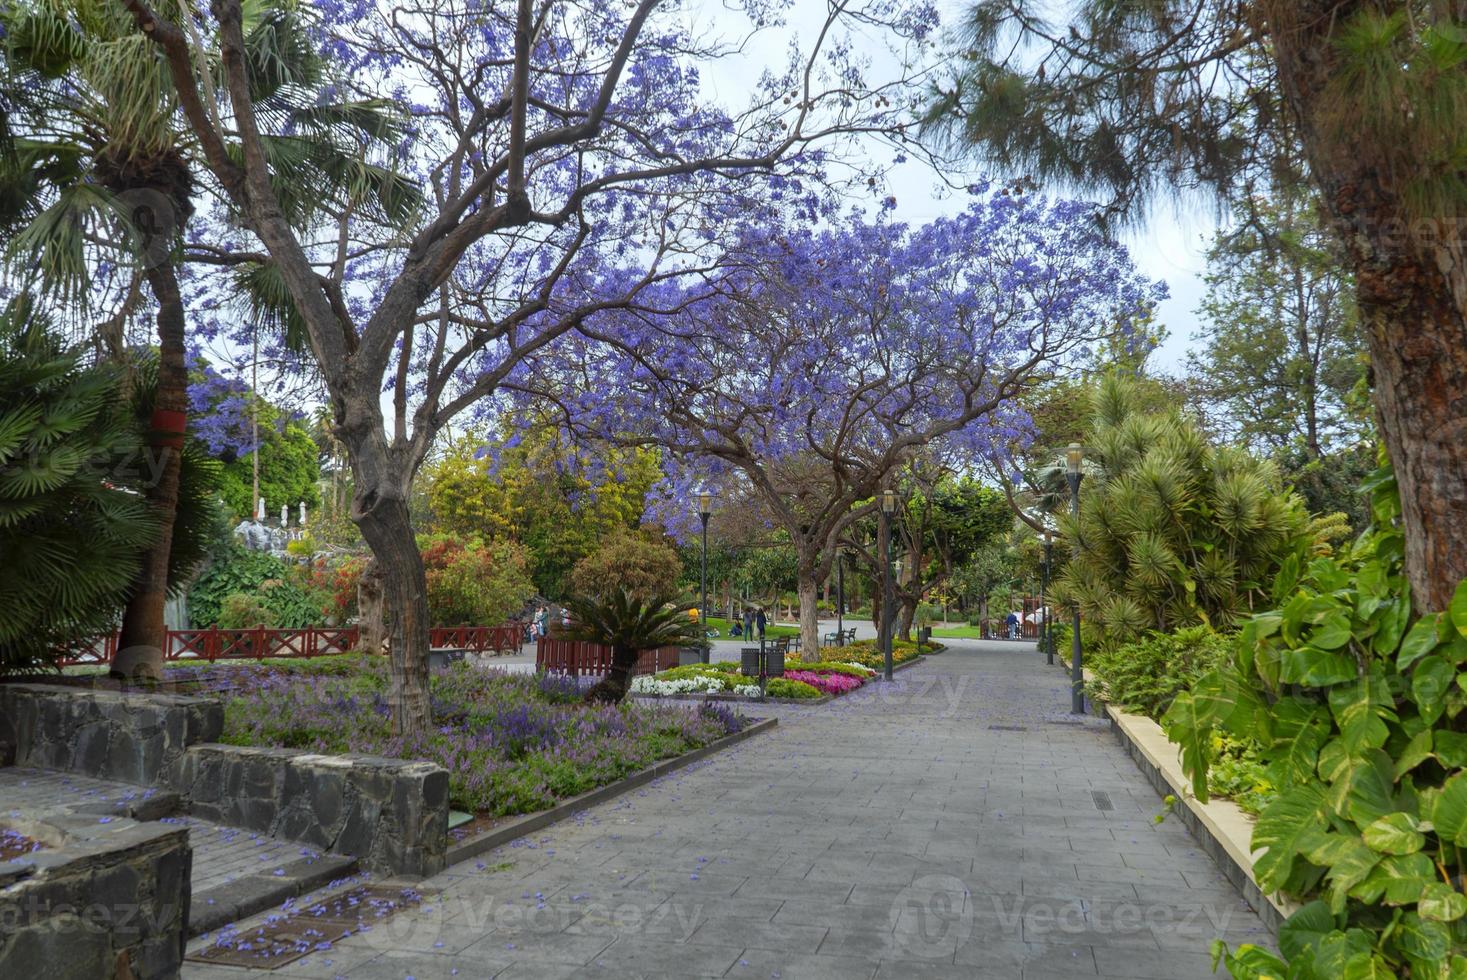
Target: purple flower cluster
[(512, 743)]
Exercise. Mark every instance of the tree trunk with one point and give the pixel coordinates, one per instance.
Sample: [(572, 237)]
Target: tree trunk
[(613, 688), (144, 632), (809, 589), (1411, 282), (385, 524), (908, 614), (371, 614)]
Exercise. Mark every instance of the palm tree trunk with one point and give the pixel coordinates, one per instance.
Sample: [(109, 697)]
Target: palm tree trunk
[(613, 688), (140, 648)]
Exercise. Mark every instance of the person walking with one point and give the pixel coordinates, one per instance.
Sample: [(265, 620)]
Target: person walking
[(538, 627), (760, 621), (1012, 622)]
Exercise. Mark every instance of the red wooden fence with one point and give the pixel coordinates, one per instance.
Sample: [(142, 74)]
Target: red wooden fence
[(579, 658), (316, 641)]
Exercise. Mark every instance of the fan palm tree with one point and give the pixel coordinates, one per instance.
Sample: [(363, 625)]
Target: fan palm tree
[(95, 178), (629, 623), (72, 524)]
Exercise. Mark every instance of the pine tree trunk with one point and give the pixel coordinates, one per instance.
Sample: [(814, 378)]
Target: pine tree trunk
[(1411, 281), (385, 524), (613, 688), (371, 610), (144, 632), (809, 617)]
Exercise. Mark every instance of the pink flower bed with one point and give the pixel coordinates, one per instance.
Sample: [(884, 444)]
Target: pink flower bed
[(825, 683)]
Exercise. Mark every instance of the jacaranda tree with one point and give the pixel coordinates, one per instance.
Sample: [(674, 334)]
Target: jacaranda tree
[(572, 160), (828, 358)]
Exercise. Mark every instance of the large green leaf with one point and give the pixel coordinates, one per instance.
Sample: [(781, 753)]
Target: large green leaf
[(1417, 751), (1355, 708), (1449, 812), (1390, 624), (1334, 633), (1363, 793), (1430, 682), (1441, 902), (1424, 942), (1194, 735), (1306, 927), (1421, 640), (1347, 862), (1395, 833), (1283, 826), (1458, 608), (1451, 748), (1316, 668)]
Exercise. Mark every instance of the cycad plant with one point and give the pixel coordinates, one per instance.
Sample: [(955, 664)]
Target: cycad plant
[(73, 528), (1172, 530), (629, 623)]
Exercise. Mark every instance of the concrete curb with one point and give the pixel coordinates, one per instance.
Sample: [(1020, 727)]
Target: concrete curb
[(532, 822)]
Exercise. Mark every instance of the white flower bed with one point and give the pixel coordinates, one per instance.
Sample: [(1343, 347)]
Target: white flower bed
[(646, 684), (747, 690), (863, 667)]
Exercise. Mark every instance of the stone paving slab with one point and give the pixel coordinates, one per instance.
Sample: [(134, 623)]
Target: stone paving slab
[(956, 823)]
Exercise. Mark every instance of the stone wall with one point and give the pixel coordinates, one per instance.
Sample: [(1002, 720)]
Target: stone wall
[(102, 901), (132, 738), (390, 814)]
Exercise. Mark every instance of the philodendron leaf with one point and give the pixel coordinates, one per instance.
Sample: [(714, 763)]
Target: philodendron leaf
[(1430, 682), (1283, 826), (1305, 928), (1185, 727), (1439, 901), (1458, 608), (1398, 879), (1421, 640), (1450, 747), (1394, 833), (1333, 633), (1417, 751), (1314, 667), (1449, 811), (1424, 942), (1347, 860)]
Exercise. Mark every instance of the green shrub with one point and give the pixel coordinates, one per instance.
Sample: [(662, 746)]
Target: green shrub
[(1146, 675), (241, 572), (1357, 707), (1172, 530), (779, 687), (1239, 774), (240, 611)]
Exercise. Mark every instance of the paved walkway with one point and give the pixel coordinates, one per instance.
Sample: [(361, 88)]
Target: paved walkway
[(958, 823)]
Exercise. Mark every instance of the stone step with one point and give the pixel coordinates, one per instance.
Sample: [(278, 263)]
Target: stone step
[(251, 893), (25, 788)]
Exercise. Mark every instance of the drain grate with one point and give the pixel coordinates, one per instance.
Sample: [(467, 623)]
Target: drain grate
[(1007, 728), (1063, 721), (1102, 799), (285, 939)]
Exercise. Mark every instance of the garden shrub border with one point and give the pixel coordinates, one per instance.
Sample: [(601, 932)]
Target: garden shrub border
[(517, 827)]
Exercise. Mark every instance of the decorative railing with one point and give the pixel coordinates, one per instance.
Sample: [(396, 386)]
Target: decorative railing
[(581, 659), (316, 641)]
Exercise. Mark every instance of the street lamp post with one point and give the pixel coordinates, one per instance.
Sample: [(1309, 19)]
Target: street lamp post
[(888, 600), (1044, 637), (1074, 457), (840, 598), (705, 511)]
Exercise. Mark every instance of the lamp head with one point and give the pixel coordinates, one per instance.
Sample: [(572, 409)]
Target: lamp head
[(705, 502), (888, 502), (1074, 456)]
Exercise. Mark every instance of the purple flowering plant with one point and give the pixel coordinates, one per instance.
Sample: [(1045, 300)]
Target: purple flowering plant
[(512, 743)]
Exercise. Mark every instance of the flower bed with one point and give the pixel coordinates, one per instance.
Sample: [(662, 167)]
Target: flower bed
[(802, 681), (512, 743), (868, 653)]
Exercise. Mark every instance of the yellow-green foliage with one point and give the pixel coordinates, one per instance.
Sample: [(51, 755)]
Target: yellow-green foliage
[(1172, 530)]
